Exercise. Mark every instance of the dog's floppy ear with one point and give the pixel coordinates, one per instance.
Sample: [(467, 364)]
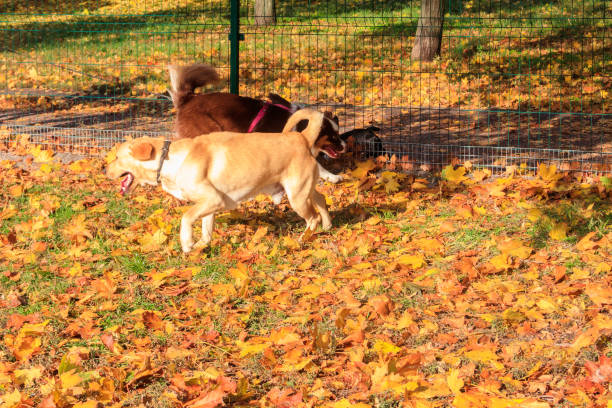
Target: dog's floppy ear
[(142, 151), (279, 100), (330, 115)]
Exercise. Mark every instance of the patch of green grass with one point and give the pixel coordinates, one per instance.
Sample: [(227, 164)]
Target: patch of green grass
[(574, 263), (386, 214), (121, 314), (212, 270), (468, 238), (262, 319), (63, 214), (120, 212), (142, 302), (407, 228), (539, 233), (136, 263)]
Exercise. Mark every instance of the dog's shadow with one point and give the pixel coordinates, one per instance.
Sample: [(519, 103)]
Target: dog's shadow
[(284, 220)]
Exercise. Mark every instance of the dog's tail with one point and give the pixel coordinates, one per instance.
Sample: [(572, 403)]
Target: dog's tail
[(185, 79), (309, 122)]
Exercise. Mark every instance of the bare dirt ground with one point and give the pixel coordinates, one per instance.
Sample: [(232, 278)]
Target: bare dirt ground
[(418, 136)]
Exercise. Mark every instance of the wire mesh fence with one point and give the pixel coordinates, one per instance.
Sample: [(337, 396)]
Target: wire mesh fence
[(514, 82)]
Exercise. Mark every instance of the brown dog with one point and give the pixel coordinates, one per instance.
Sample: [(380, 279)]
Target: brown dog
[(219, 170), (198, 114)]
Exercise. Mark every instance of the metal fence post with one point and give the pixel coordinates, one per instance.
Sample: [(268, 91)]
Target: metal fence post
[(235, 38)]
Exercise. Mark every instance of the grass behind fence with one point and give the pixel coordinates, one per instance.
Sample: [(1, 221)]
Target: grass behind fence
[(532, 73)]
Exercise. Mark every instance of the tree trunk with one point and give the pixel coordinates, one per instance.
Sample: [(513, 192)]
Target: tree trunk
[(429, 31), (265, 12)]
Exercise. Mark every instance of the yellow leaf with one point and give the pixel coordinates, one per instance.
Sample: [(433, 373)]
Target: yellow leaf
[(603, 267), (240, 274), (373, 220), (391, 186), (33, 73), (599, 293), (585, 339), (111, 155), (290, 243), (480, 210), (27, 376), (11, 400), (37, 329), (86, 404), (362, 265), (501, 262), (454, 175), (16, 190), (283, 336), (579, 274), (546, 305), (152, 242), (247, 349), (453, 381), (429, 244), (585, 243), (484, 355), (404, 321), (40, 155), (515, 248), (296, 367), (559, 232), (418, 186), (70, 379), (414, 261), (159, 278), (259, 234), (363, 168), (175, 353), (344, 403), (548, 173), (385, 348)]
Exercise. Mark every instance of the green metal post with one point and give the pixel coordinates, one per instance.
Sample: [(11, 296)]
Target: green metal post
[(235, 38)]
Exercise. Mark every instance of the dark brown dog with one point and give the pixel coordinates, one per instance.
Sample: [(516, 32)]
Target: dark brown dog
[(198, 114)]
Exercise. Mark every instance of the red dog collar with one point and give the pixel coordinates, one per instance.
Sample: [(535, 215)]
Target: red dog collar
[(262, 113)]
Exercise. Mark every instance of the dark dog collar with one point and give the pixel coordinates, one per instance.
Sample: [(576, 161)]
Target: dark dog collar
[(163, 157)]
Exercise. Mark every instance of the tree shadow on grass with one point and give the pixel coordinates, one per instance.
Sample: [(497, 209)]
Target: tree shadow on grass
[(51, 6), (100, 29)]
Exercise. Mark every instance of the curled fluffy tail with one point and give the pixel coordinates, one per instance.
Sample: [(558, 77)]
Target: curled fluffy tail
[(312, 130), (185, 79)]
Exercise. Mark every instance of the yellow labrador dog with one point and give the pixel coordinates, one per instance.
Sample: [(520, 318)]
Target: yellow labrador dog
[(219, 170)]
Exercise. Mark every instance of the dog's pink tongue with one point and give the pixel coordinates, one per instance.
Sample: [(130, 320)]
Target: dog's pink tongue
[(331, 152), (126, 182)]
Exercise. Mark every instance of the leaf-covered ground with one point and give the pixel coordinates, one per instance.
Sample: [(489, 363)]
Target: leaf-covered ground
[(473, 291)]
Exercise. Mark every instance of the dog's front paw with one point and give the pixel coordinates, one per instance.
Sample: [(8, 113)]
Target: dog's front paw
[(202, 243), (332, 178), (326, 224), (187, 245)]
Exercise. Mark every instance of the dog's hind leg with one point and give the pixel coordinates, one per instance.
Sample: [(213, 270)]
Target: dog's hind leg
[(328, 175), (318, 200), (207, 229)]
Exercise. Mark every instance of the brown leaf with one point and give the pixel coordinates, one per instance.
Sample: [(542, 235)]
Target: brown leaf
[(108, 340), (152, 321), (381, 304), (286, 398)]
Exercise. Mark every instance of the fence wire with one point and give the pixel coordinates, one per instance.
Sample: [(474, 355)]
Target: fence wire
[(515, 82)]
